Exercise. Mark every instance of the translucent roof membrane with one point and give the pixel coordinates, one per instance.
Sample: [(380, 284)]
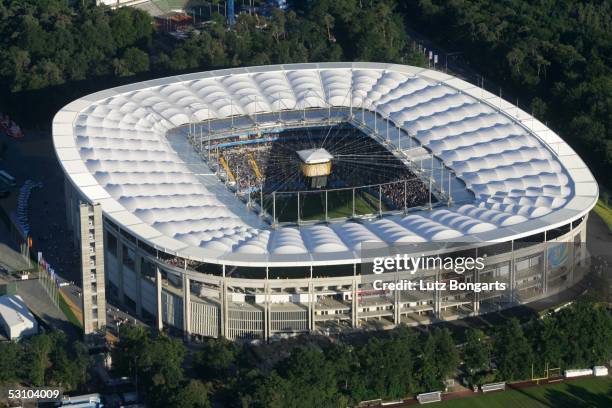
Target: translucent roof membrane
[(113, 147)]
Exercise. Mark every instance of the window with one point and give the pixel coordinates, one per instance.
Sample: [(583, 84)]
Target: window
[(111, 244), (557, 232), (129, 258)]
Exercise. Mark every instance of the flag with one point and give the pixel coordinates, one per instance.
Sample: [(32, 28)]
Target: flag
[(436, 59), (430, 55)]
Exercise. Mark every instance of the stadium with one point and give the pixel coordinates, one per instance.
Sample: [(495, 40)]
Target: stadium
[(243, 202)]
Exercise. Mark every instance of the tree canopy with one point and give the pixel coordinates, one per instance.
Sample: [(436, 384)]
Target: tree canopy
[(555, 53), (48, 359), (317, 372)]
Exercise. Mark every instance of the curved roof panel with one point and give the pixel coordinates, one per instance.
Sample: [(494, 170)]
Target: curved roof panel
[(113, 147)]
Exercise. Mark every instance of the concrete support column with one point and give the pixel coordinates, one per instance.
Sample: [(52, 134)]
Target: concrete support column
[(583, 240), (186, 305), (437, 297), (311, 306), (354, 303), (158, 290), (138, 285), (396, 304), (120, 290), (224, 317), (476, 296), (572, 255), (266, 315), (545, 269), (69, 205)]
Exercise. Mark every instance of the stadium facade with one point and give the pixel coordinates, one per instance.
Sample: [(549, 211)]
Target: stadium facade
[(190, 248)]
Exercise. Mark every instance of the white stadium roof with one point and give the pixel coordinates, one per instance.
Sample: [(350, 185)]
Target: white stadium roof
[(113, 147)]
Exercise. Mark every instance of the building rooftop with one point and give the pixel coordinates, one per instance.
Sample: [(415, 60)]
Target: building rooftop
[(113, 145), (15, 314)]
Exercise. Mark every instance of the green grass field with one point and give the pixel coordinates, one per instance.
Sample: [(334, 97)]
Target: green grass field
[(68, 312), (605, 212), (312, 205), (589, 392)]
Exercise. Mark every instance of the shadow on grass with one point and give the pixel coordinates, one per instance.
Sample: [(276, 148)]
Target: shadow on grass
[(578, 396)]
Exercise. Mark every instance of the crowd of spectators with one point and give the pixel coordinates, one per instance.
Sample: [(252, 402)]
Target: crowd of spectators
[(406, 193), (274, 166)]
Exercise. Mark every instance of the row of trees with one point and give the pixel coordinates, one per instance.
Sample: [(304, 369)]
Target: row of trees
[(390, 366), (155, 362), (575, 337), (556, 53), (316, 372), (326, 30), (47, 43), (51, 51), (48, 360)]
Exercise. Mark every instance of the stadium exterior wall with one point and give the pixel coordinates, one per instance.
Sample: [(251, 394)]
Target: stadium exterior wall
[(163, 290), (263, 301), (200, 304)]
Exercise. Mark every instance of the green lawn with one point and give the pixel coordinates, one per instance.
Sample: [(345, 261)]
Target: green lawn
[(605, 212), (312, 205), (589, 392), (68, 312)]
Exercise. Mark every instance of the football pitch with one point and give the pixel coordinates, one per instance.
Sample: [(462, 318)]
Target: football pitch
[(588, 392), (312, 205)]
